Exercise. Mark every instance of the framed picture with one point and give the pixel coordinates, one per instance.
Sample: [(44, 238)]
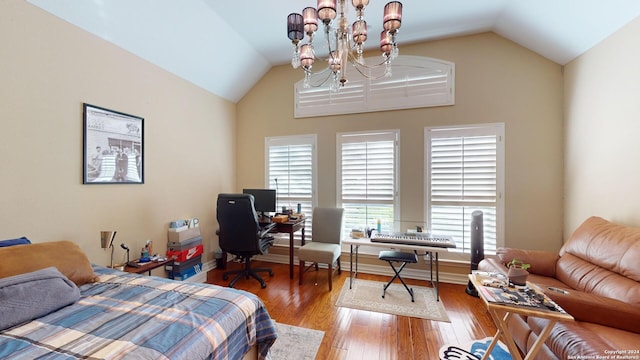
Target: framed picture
[(113, 147)]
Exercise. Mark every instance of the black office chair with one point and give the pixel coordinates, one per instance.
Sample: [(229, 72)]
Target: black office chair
[(240, 234)]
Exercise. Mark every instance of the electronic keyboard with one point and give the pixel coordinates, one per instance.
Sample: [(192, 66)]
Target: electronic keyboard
[(422, 239)]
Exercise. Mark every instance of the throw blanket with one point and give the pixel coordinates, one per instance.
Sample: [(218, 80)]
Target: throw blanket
[(130, 316), (28, 296)]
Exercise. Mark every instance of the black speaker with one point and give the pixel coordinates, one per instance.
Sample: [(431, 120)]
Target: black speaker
[(477, 247)]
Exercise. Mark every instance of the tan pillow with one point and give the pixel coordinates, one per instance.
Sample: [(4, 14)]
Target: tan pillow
[(64, 255)]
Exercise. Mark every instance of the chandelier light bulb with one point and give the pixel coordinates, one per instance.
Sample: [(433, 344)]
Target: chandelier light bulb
[(359, 32), (359, 4), (310, 16), (307, 56), (326, 10), (385, 43)]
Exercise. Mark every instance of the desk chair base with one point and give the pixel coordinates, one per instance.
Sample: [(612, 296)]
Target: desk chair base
[(247, 272), (397, 256)]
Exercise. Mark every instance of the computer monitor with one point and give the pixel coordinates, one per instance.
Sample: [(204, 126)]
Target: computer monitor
[(264, 200)]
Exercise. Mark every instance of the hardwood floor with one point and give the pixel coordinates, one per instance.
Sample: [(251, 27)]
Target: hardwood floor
[(357, 334)]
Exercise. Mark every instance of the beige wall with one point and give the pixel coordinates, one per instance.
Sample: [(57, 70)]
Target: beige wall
[(48, 68), (602, 112), (496, 81)]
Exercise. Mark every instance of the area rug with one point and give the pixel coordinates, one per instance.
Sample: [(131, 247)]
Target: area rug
[(296, 343), (474, 350), (367, 295)]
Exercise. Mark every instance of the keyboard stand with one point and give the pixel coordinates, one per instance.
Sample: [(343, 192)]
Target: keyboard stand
[(432, 252)]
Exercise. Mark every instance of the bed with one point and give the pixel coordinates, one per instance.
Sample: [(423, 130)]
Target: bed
[(119, 315)]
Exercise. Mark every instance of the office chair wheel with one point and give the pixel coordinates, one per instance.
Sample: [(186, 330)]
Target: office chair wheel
[(263, 285), (225, 277), (270, 274)]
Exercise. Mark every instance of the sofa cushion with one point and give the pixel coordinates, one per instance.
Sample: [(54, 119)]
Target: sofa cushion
[(66, 256), (601, 257), (614, 338), (608, 245), (591, 278), (568, 339), (598, 309)]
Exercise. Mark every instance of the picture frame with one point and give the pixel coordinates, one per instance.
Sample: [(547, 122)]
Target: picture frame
[(113, 147)]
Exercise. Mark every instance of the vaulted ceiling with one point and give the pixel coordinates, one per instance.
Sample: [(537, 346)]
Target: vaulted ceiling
[(226, 46)]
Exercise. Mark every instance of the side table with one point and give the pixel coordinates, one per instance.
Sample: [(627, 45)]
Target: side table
[(501, 312), (146, 267)]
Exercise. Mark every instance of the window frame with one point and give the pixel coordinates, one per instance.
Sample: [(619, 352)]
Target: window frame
[(292, 140), (490, 129), (362, 136)]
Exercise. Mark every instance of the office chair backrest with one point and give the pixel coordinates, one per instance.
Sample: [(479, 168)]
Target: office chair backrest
[(327, 225), (238, 222)]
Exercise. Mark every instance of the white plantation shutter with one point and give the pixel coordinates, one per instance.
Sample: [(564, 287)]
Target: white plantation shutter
[(463, 173), (316, 101), (367, 179), (415, 82), (290, 169)]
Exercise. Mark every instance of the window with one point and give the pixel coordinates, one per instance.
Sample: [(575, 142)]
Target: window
[(367, 179), (463, 173), (415, 82), (291, 170)]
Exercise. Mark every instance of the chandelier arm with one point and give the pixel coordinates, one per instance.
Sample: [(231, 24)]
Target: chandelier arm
[(356, 63), (369, 76), (326, 32), (317, 74)]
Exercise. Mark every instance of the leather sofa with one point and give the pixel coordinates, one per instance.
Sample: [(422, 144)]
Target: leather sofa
[(598, 270)]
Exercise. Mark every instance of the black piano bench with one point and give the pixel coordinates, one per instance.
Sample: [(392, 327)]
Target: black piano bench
[(405, 258)]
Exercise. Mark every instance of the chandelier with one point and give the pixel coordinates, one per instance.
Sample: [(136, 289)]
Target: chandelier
[(344, 43)]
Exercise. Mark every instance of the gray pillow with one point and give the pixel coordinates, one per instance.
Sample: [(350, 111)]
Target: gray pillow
[(32, 295)]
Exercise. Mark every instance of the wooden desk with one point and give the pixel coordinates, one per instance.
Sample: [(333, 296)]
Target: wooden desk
[(290, 227), (430, 251), (501, 313), (147, 267)]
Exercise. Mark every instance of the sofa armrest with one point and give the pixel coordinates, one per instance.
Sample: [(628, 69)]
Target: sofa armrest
[(596, 309), (542, 262), (492, 263)]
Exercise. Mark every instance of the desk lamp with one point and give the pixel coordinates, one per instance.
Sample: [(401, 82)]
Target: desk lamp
[(125, 247), (106, 241)]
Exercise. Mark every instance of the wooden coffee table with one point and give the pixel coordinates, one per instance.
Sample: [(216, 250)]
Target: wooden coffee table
[(502, 312)]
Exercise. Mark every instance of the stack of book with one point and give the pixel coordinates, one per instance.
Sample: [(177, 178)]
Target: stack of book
[(185, 248)]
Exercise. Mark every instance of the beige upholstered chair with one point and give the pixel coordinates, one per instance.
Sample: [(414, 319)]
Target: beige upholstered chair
[(325, 242)]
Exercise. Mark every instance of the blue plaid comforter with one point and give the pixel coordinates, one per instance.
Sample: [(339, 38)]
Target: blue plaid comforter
[(127, 316)]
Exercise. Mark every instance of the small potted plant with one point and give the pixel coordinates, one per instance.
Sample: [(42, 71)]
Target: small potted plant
[(518, 272)]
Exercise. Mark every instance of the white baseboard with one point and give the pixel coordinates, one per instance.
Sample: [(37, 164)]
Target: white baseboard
[(382, 269)]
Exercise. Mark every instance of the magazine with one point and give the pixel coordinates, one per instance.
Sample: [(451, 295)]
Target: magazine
[(495, 288), (520, 296)]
